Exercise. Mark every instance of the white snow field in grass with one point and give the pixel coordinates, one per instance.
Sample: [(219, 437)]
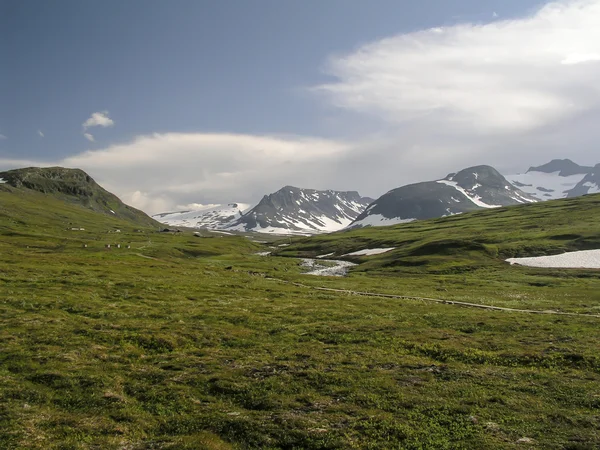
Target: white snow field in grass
[(585, 259)]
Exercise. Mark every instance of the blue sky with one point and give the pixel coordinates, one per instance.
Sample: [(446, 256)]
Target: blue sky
[(294, 73)]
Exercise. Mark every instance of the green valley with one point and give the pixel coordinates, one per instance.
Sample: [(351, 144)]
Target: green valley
[(197, 342)]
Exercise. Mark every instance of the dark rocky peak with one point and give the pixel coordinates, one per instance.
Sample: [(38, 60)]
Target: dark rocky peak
[(479, 175), (564, 167)]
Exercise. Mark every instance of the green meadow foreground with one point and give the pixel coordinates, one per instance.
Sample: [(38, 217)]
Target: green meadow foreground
[(187, 342)]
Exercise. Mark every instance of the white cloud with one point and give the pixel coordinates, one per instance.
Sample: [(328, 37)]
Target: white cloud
[(503, 77), (89, 137), (578, 58), (40, 133), (7, 164), (159, 171), (98, 119)]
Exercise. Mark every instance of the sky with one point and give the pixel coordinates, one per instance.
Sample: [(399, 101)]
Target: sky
[(169, 104)]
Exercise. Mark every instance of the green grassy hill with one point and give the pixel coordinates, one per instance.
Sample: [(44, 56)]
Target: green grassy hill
[(72, 186), (467, 241), (182, 342)]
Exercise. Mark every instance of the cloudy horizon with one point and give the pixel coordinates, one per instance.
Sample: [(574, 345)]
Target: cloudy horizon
[(371, 110)]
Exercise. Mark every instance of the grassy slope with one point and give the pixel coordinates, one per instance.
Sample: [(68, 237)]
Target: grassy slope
[(462, 257), (72, 186), (196, 348)]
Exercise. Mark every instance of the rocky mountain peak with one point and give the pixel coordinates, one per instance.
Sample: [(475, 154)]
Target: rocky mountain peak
[(564, 167)]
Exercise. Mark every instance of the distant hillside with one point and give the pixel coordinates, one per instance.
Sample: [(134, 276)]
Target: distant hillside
[(75, 187), (470, 189), (467, 241), (211, 217)]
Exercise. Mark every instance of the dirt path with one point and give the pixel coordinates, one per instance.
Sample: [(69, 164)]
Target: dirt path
[(435, 300), (147, 257)]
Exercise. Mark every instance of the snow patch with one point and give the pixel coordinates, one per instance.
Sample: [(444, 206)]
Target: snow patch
[(325, 256), (585, 259), (2, 181), (370, 251), (377, 220), (592, 187)]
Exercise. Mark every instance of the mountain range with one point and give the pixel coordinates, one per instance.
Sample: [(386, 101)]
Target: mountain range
[(292, 210)]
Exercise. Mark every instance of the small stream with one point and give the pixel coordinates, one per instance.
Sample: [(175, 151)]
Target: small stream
[(331, 268)]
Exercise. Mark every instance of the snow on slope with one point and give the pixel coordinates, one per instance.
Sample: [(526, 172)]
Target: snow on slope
[(593, 187), (474, 198), (209, 217), (370, 251), (293, 210), (545, 186), (378, 220), (587, 259)]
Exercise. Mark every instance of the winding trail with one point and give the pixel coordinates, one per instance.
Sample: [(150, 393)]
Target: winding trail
[(147, 257), (435, 300)]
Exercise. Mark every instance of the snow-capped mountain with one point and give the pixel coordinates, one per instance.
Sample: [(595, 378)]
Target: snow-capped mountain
[(213, 217), (302, 211), (468, 190), (560, 178)]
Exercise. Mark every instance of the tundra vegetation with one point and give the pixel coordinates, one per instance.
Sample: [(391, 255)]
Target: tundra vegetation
[(180, 342)]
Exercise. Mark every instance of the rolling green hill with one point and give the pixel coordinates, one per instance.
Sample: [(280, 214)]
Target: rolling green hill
[(72, 186), (467, 241)]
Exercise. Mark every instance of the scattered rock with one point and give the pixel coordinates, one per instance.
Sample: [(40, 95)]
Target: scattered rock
[(525, 440), (492, 426)]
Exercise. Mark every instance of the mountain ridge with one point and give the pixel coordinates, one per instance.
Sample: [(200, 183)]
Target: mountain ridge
[(468, 190), (292, 210)]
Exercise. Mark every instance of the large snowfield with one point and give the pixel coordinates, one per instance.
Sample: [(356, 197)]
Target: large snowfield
[(545, 186), (586, 259)]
